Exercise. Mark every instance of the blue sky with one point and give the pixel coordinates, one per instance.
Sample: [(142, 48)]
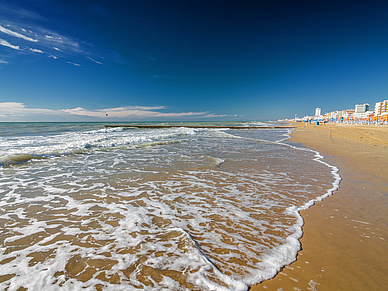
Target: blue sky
[(189, 60)]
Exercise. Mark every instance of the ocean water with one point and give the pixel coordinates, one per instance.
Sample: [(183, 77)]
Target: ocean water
[(88, 208)]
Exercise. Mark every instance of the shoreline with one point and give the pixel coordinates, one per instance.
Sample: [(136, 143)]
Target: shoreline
[(196, 126), (344, 241)]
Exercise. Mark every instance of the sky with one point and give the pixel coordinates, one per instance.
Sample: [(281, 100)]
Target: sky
[(78, 60)]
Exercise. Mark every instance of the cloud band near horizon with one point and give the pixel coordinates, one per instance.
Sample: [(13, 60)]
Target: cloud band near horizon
[(17, 110)]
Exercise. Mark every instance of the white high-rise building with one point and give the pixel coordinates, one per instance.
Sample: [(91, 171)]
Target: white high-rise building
[(381, 108), (361, 108), (317, 111)]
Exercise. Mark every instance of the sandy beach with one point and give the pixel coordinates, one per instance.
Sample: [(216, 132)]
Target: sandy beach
[(345, 240), (147, 208)]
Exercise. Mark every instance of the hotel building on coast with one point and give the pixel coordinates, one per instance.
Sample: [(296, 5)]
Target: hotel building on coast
[(360, 114), (361, 108), (381, 108), (362, 111)]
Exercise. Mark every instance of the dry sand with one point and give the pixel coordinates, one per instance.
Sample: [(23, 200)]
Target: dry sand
[(345, 241)]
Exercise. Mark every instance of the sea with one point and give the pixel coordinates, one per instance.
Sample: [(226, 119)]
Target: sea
[(84, 207)]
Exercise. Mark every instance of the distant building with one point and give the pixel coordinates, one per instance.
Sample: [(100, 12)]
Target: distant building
[(317, 112), (361, 108), (362, 111), (333, 115), (381, 108), (342, 114), (349, 113)]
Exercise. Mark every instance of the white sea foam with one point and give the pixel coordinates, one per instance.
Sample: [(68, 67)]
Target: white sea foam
[(217, 211), (286, 253), (41, 147)]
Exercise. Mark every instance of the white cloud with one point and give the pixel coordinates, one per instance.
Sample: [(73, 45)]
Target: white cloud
[(18, 111), (7, 44), (212, 115), (3, 62), (57, 42), (137, 108), (18, 25), (16, 34), (48, 39), (74, 64), (93, 60), (132, 112), (53, 57), (36, 50), (18, 12)]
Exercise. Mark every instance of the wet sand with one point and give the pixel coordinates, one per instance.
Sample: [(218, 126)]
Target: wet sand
[(345, 240)]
